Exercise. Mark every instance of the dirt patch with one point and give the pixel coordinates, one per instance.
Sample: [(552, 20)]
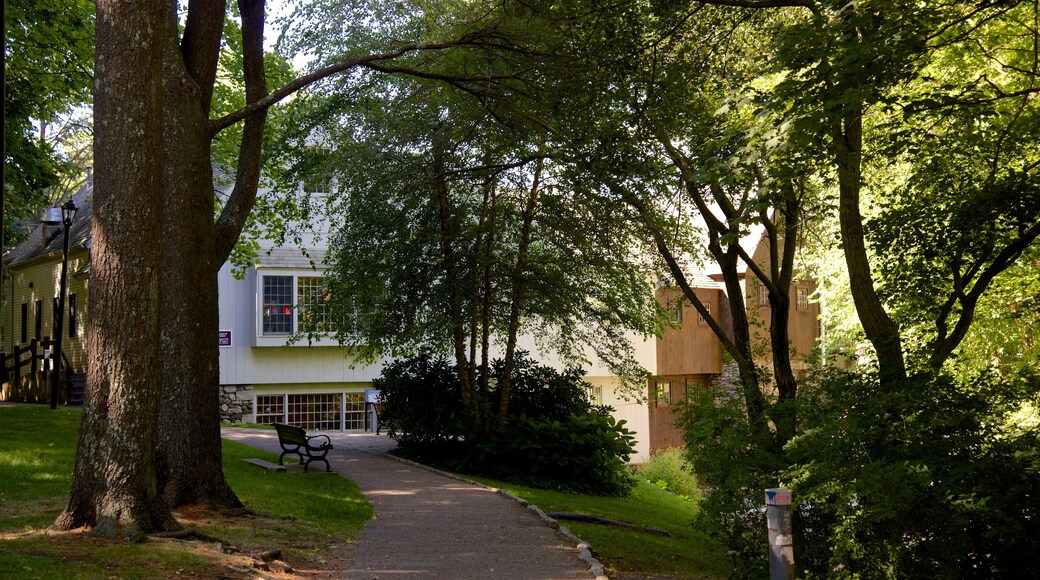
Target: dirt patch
[(224, 546)]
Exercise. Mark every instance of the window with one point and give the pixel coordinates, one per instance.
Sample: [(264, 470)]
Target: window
[(39, 319), (313, 411), (319, 412), (25, 322), (675, 312), (595, 395), (700, 319), (802, 295), (294, 303), (664, 394), (54, 319), (270, 409), (277, 304), (72, 316), (354, 411), (312, 299), (763, 296), (318, 178)]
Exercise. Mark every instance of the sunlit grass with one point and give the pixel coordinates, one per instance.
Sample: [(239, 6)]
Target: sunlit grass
[(302, 513), (684, 553)]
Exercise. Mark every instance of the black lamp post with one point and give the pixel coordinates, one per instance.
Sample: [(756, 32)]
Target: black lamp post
[(68, 213)]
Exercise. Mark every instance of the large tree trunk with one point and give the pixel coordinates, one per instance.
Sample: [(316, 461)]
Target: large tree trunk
[(189, 458), (114, 486), (881, 330)]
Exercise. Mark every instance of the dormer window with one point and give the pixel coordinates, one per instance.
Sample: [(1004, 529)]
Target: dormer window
[(319, 177)]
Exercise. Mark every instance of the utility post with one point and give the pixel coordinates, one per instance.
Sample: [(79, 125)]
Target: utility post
[(781, 539)]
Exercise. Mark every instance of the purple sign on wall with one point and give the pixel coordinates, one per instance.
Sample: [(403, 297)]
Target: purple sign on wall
[(224, 338)]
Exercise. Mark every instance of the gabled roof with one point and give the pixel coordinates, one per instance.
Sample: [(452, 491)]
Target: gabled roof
[(79, 234)]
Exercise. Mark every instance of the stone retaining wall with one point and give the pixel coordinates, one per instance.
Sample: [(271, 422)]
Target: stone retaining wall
[(236, 403)]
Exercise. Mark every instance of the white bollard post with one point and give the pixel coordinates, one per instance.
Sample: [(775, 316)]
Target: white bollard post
[(781, 540)]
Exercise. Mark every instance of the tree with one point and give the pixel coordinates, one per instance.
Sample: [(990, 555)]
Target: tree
[(461, 237), (48, 53), (114, 486), (190, 249)]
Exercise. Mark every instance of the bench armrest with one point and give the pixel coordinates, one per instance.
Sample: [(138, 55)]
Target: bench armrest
[(326, 443)]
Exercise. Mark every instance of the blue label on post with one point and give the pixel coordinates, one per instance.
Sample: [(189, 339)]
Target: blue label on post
[(778, 496)]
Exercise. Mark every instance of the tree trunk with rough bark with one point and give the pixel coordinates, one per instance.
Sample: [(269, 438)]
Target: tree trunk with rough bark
[(189, 462), (114, 485)]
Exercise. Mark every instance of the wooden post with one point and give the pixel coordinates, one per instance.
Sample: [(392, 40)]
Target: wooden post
[(781, 541)]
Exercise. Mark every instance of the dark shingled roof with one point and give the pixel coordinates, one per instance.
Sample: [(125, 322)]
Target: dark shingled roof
[(79, 234)]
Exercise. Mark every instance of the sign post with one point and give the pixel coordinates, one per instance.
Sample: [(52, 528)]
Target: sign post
[(781, 541)]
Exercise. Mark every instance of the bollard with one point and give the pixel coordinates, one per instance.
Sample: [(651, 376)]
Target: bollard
[(781, 540)]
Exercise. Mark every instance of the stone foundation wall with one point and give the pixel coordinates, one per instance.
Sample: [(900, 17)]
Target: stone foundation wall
[(236, 403)]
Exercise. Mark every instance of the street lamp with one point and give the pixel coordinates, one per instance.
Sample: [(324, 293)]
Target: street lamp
[(60, 216)]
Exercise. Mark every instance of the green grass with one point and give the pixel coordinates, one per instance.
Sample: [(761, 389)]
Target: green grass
[(302, 513), (685, 553)]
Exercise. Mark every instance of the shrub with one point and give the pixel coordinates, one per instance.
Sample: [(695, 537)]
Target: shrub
[(928, 479), (735, 469), (543, 392), (669, 469), (554, 438), (581, 454), (420, 401)]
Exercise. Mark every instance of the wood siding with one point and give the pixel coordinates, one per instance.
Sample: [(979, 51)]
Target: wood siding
[(44, 277), (666, 395), (690, 347)]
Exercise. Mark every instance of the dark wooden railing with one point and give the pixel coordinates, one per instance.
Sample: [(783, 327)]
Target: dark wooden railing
[(11, 364)]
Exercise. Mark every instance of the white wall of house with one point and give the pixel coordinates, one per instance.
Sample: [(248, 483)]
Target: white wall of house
[(275, 368)]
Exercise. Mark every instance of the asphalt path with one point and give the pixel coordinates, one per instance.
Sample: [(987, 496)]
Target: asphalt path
[(427, 525)]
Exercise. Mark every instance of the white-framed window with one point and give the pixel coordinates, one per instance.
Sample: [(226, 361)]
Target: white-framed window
[(292, 302), (802, 297), (675, 312), (319, 178), (317, 411), (312, 302), (277, 309), (763, 296), (595, 394)]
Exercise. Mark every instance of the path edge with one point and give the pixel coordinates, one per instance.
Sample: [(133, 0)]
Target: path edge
[(584, 550)]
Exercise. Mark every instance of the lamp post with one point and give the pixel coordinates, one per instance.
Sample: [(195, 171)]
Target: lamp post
[(65, 217)]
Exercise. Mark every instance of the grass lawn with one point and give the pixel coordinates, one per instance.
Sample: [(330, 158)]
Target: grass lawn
[(311, 517), (685, 553)]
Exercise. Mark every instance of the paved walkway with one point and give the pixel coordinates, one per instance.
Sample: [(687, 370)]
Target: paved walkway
[(430, 526)]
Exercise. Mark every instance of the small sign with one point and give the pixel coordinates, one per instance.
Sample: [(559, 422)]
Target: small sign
[(224, 338), (778, 496), (372, 396)]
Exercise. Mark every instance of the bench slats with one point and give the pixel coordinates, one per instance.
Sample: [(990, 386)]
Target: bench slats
[(294, 439)]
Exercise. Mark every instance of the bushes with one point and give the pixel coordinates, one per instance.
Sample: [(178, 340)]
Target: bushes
[(933, 478), (420, 401), (929, 478), (584, 453), (670, 470), (554, 437)]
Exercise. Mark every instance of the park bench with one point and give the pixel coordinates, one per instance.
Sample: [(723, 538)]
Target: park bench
[(294, 439)]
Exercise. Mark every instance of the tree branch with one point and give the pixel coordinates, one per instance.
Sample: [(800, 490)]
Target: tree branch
[(367, 60), (200, 44), (247, 177)]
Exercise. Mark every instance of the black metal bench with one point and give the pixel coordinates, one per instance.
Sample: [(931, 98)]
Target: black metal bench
[(294, 439)]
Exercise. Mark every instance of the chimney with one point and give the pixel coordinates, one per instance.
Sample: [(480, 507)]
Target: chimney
[(90, 176)]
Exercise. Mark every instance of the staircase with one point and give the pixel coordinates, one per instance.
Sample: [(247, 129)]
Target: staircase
[(79, 385)]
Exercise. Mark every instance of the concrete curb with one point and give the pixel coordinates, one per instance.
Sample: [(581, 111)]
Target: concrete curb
[(584, 551)]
